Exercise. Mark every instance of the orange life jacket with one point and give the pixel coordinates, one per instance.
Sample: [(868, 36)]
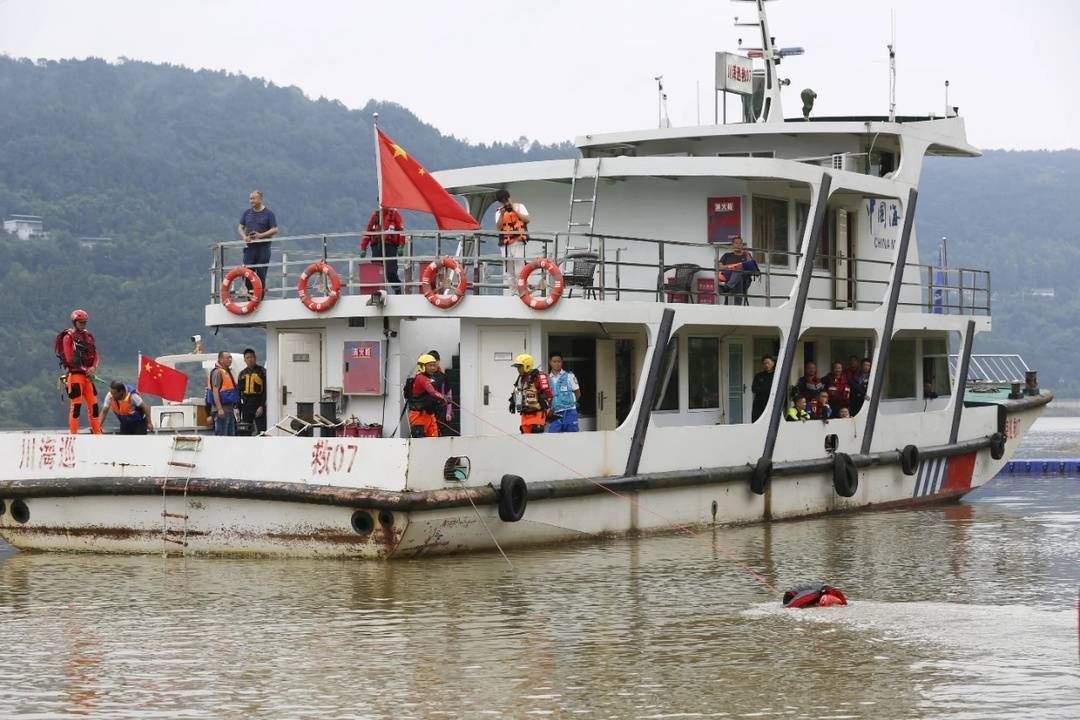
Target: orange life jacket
[(125, 410), (512, 227)]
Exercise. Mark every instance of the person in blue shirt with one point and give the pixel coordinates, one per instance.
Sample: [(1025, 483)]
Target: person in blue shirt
[(257, 225), (566, 391)]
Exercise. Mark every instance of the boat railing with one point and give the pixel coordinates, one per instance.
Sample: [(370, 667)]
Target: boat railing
[(609, 267), (992, 369)]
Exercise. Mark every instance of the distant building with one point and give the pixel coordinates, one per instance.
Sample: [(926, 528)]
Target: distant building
[(88, 243), (25, 227)]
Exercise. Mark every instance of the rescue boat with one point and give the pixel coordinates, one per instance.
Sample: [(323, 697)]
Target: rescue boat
[(623, 275)]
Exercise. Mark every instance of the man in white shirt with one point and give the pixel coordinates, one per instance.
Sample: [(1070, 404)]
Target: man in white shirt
[(566, 392), (512, 223)]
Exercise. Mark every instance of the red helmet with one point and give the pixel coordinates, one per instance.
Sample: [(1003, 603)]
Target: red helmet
[(79, 314)]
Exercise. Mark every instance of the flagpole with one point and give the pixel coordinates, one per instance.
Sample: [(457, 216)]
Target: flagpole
[(378, 163)]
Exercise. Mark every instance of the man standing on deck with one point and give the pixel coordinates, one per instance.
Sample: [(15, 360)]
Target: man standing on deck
[(252, 381), (565, 392), (424, 401), (221, 395), (385, 243), (257, 225), (761, 387), (78, 354), (532, 395), (512, 223)]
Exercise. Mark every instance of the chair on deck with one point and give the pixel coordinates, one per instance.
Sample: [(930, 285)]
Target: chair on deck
[(680, 286), (579, 271), (739, 289)]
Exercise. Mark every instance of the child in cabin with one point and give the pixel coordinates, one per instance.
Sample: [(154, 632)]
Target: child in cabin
[(798, 410)]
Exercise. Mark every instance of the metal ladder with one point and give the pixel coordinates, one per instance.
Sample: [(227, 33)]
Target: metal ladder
[(181, 465), (577, 203)]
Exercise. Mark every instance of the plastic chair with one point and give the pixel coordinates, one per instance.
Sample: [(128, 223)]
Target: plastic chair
[(682, 282)]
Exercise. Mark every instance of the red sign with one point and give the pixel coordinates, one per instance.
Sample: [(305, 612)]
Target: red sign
[(725, 219), (363, 368)]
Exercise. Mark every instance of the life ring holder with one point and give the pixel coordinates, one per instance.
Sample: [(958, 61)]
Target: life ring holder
[(513, 496), (319, 267), (555, 290), (241, 308), (427, 283), (845, 475)]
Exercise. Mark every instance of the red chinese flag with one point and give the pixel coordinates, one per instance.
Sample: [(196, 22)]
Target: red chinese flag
[(161, 380), (407, 185)]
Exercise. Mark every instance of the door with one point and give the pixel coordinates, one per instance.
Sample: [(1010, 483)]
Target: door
[(606, 417), (498, 348), (736, 386), (842, 268), (300, 359)]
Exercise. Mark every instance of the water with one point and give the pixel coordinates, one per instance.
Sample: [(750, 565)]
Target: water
[(963, 611)]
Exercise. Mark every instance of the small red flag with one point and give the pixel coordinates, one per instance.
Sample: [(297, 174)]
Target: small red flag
[(161, 380), (407, 185)]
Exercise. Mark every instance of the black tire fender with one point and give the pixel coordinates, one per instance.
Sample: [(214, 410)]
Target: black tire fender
[(845, 475), (997, 446), (759, 477), (513, 496), (909, 459)]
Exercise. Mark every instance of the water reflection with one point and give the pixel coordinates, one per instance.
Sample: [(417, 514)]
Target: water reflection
[(959, 611)]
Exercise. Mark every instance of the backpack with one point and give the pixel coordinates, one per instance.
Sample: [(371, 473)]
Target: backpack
[(80, 353), (406, 389), (58, 345)]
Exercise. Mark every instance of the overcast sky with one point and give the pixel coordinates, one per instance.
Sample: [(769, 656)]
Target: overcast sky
[(555, 69)]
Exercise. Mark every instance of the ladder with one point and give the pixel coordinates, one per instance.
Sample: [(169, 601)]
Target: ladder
[(180, 467), (584, 205)]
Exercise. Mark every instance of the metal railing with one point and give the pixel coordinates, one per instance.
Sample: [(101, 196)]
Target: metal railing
[(610, 267), (992, 369)]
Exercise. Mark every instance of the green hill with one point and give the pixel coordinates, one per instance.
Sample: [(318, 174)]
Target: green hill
[(158, 160)]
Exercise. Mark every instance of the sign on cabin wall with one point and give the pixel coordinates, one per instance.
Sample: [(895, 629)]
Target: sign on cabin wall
[(363, 368), (734, 73), (884, 219), (725, 219)]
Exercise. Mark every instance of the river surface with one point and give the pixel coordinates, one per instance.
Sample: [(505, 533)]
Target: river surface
[(963, 611)]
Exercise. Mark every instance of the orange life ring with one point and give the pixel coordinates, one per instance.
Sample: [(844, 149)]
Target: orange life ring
[(427, 282), (241, 308), (555, 290), (319, 268)]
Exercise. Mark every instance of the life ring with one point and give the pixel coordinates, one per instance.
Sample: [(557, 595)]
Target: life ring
[(255, 297), (997, 446), (513, 495), (759, 478), (319, 268), (555, 290), (427, 282), (909, 459), (845, 475)]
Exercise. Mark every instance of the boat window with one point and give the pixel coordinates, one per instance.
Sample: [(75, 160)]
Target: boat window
[(936, 368), (669, 378), (770, 230), (900, 369), (703, 360)]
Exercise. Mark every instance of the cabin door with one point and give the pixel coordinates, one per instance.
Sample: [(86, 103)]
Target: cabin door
[(736, 385), (606, 372), (843, 275), (498, 348), (300, 359)]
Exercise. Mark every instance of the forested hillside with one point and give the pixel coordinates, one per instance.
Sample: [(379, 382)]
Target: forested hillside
[(159, 159)]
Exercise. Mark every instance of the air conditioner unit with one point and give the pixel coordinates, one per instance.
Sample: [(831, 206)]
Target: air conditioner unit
[(843, 161)]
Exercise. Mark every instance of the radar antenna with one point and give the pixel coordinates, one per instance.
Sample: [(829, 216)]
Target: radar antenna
[(771, 110), (892, 68)]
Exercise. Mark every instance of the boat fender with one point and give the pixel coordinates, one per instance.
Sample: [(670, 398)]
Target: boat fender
[(759, 476), (513, 494), (814, 595), (555, 290), (334, 292), (241, 308), (909, 459), (845, 475), (428, 285), (997, 446)]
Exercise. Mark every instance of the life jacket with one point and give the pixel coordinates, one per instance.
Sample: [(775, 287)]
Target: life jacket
[(83, 349), (419, 399), (227, 391), (795, 413), (125, 410), (512, 228), (390, 220), (531, 393), (564, 394)]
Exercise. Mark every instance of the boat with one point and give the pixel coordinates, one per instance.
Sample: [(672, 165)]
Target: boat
[(624, 278)]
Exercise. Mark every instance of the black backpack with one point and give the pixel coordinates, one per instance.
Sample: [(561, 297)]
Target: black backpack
[(406, 389)]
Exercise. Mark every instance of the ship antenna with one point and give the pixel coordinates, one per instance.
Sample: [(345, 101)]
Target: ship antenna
[(892, 68), (771, 55), (662, 118)]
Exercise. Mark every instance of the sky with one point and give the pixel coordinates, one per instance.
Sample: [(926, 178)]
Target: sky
[(557, 69)]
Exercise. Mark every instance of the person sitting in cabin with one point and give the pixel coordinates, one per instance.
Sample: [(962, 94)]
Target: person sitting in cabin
[(424, 400), (819, 408), (130, 409), (859, 387), (737, 268), (512, 224), (798, 410), (854, 367), (532, 395), (845, 413), (836, 385), (809, 384), (566, 391), (386, 242)]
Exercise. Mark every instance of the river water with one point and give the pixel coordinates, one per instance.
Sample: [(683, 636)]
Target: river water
[(963, 611)]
